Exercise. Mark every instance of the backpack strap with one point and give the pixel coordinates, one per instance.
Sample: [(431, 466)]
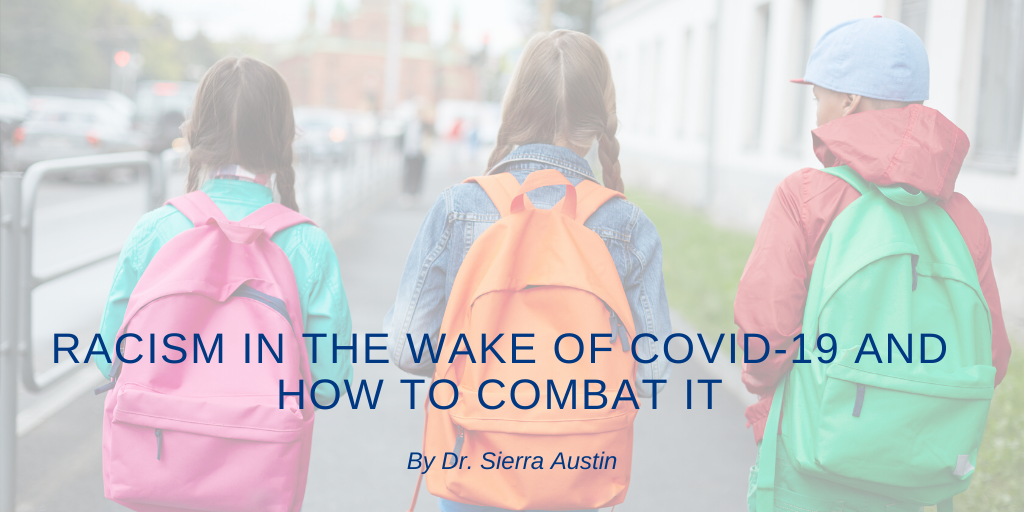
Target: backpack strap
[(416, 493), (274, 218), (769, 448), (845, 173), (590, 197), (900, 195), (500, 188), (895, 193), (546, 178), (198, 207)]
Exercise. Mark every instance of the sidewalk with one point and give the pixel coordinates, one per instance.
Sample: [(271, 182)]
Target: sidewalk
[(684, 459), (693, 459)]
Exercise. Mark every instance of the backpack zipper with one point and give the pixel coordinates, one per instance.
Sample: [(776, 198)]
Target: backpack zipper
[(159, 442), (278, 305), (617, 328), (460, 437), (614, 321), (913, 271)]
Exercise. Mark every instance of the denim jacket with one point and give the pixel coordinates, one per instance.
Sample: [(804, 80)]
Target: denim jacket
[(464, 211)]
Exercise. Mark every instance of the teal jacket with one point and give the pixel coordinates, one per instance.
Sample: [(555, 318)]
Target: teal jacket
[(321, 293)]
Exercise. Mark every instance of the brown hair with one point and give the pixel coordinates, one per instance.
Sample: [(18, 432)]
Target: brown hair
[(242, 115), (562, 93)]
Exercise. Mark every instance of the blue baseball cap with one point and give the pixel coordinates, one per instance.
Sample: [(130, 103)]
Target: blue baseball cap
[(874, 57)]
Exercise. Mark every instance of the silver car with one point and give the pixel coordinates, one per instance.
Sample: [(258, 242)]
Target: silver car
[(61, 127), (323, 138)]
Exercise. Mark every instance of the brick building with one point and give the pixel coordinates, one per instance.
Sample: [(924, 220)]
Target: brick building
[(345, 67)]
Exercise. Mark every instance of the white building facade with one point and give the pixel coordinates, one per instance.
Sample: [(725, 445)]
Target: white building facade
[(708, 115)]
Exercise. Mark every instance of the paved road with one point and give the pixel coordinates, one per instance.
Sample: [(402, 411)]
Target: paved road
[(58, 461), (684, 459)]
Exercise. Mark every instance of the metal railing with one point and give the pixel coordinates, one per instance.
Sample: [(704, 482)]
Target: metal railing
[(18, 279), (329, 191), (326, 192)]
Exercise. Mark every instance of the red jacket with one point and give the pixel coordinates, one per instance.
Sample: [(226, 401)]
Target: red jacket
[(916, 146)]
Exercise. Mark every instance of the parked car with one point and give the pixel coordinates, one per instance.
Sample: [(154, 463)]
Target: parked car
[(323, 137), (62, 127), (161, 108), (13, 109), (116, 100)]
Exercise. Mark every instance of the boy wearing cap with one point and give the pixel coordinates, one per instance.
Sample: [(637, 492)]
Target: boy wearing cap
[(870, 79)]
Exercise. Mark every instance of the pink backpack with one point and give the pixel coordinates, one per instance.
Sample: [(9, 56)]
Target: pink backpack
[(211, 435)]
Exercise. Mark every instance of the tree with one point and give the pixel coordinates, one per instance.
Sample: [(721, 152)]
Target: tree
[(71, 43), (568, 14)]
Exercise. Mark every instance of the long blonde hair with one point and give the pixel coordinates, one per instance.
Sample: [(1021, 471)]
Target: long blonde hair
[(562, 93)]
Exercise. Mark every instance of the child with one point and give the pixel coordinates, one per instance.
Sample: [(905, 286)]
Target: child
[(219, 265), (869, 78), (240, 135), (561, 100)]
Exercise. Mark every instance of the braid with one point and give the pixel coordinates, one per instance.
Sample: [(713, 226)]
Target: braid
[(608, 153), (561, 93), (285, 183), (242, 115), (501, 150), (195, 172)]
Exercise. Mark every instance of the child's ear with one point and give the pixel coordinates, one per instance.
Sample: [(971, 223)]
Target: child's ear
[(851, 104)]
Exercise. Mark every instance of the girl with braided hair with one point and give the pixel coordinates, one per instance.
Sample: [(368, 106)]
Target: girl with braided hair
[(560, 102), (240, 133)]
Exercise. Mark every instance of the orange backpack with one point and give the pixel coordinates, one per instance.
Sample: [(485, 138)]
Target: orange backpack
[(541, 272)]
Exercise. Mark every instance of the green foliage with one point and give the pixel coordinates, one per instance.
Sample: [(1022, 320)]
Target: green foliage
[(42, 43), (998, 483), (160, 54), (702, 262), (71, 43), (575, 15)]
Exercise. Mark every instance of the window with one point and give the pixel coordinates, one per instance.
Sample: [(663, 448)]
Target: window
[(802, 46), (684, 83), (655, 100), (706, 97), (623, 90), (914, 14), (641, 92), (759, 52), (1001, 90)]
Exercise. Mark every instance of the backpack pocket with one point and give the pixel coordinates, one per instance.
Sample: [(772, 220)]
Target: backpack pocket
[(549, 465), (233, 453), (903, 426)]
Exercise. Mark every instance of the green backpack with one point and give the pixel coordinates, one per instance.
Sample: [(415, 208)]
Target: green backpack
[(861, 436)]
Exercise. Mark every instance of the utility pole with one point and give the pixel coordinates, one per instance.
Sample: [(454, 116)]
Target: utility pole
[(709, 171), (393, 60), (10, 233), (545, 10)]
